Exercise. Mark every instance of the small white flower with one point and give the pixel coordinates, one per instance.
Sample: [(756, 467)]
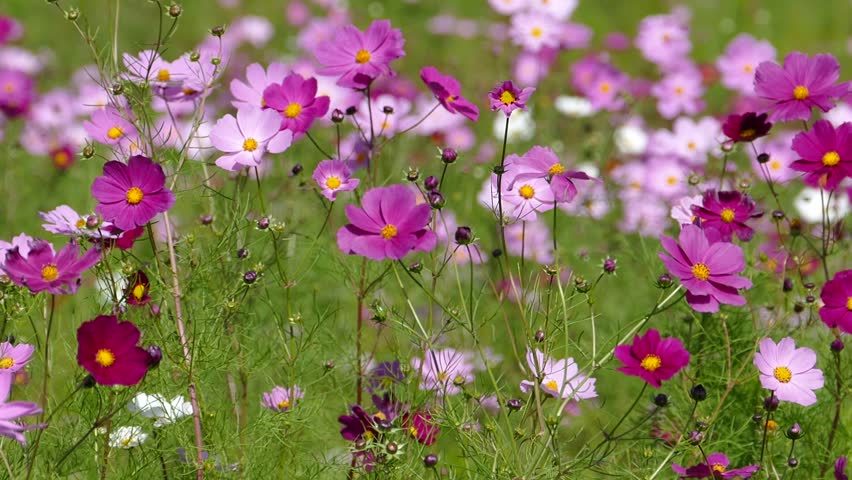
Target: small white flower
[(111, 288), (631, 140), (809, 204), (127, 437), (164, 412), (576, 107)]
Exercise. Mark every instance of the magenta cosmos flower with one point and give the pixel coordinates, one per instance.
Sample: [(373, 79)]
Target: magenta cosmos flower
[(246, 138), (826, 154), (333, 176), (17, 91), (707, 271), (11, 411), (727, 212), (716, 467), (789, 371), (421, 427), (837, 299), (389, 225), (448, 92), (652, 359), (801, 84), (358, 57), (108, 350), (559, 378), (508, 98), (282, 399), (14, 357), (108, 127), (43, 270), (296, 100), (131, 195), (444, 370), (542, 163)]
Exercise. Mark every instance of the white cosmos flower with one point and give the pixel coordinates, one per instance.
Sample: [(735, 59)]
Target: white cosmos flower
[(809, 204), (631, 140), (127, 437), (576, 107), (156, 406)]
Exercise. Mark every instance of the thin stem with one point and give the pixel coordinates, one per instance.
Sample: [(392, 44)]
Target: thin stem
[(838, 403), (360, 330), (500, 173), (323, 152), (766, 428)]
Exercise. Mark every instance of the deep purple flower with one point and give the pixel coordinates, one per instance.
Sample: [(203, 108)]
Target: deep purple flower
[(448, 92), (334, 176), (11, 411), (44, 270), (108, 350), (840, 468), (716, 467), (508, 98), (357, 425), (707, 271), (296, 100), (727, 212), (133, 194), (14, 357), (542, 163), (421, 427), (746, 127), (358, 57), (837, 299), (801, 84), (826, 154), (384, 376), (390, 224), (17, 90), (651, 358), (788, 371)]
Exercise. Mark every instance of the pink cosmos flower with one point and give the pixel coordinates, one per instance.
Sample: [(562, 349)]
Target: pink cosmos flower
[(421, 426), (521, 200), (107, 348), (442, 370), (605, 87), (384, 124), (681, 212), (542, 163), (333, 176), (663, 39), (836, 296), (508, 98), (246, 138), (131, 195), (448, 92), (389, 225), (17, 91), (716, 467), (296, 100), (21, 242), (508, 7), (801, 84), (666, 176), (559, 378), (108, 127), (147, 66), (43, 270), (282, 399), (689, 140), (14, 357), (727, 212), (11, 411), (10, 29), (707, 270), (358, 57), (250, 92), (789, 371), (534, 31), (740, 60), (557, 9), (781, 156), (826, 154), (651, 358), (679, 92), (64, 220)]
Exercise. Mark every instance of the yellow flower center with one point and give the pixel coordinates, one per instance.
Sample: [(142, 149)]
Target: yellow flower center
[(556, 169), (507, 98), (651, 362), (830, 159), (332, 183), (605, 87), (551, 385), (701, 271), (691, 145), (104, 357), (527, 192), (362, 56), (49, 272), (134, 195), (413, 431), (6, 363), (389, 231), (139, 291), (849, 304), (114, 133), (250, 145), (783, 374), (718, 468), (775, 165), (450, 99), (8, 88), (801, 92), (293, 110), (748, 68), (747, 133), (283, 404), (60, 159), (672, 180), (679, 91), (80, 223), (380, 416), (771, 425), (536, 32), (164, 75), (727, 215), (442, 376)]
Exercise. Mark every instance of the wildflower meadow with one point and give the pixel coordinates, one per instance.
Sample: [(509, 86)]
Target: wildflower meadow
[(420, 239)]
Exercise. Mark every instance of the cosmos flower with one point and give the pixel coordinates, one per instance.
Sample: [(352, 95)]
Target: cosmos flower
[(11, 411), (14, 357), (64, 220), (281, 399), (690, 140), (789, 371), (43, 270), (333, 177), (448, 92), (17, 91), (388, 225), (358, 58), (137, 291), (507, 98), (132, 195), (108, 350), (250, 92), (542, 163), (802, 83), (836, 296), (159, 408), (127, 437), (679, 92), (663, 39), (728, 213), (826, 154), (707, 271), (746, 127), (248, 137), (108, 127), (716, 467), (421, 427), (559, 378), (296, 100), (781, 156), (532, 240), (740, 60), (534, 30), (443, 370), (652, 359)]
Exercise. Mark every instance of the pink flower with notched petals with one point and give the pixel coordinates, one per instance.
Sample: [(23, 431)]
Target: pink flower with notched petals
[(740, 60), (542, 163), (443, 370), (109, 127), (333, 177), (17, 91), (358, 57), (43, 270), (826, 154), (781, 156), (690, 140), (508, 98), (248, 137), (10, 29), (448, 92), (727, 212), (64, 220), (296, 100), (508, 7), (11, 411), (651, 358), (707, 270), (716, 467), (801, 84), (14, 357), (836, 296), (679, 92), (789, 371), (250, 92), (389, 225), (131, 195), (281, 399), (534, 31), (558, 378), (663, 39)]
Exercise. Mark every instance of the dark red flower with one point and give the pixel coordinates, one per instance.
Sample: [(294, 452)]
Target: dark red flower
[(420, 426), (746, 127), (137, 289), (108, 350)]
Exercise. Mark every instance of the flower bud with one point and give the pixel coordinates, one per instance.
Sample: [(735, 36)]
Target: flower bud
[(539, 336), (175, 10), (698, 393), (496, 253), (360, 444), (387, 110), (809, 285), (430, 460), (771, 403), (72, 14), (380, 314), (763, 158), (88, 152), (337, 115), (412, 175), (464, 235), (436, 200), (92, 221), (263, 223), (695, 437), (391, 448), (609, 265), (297, 169), (664, 281), (459, 381), (250, 277), (777, 215), (328, 365), (792, 462), (155, 356), (661, 400), (218, 31), (351, 110), (794, 432), (514, 404), (194, 56), (431, 183), (788, 284), (88, 381), (415, 267), (810, 299), (837, 345), (206, 219), (243, 253), (449, 155)]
